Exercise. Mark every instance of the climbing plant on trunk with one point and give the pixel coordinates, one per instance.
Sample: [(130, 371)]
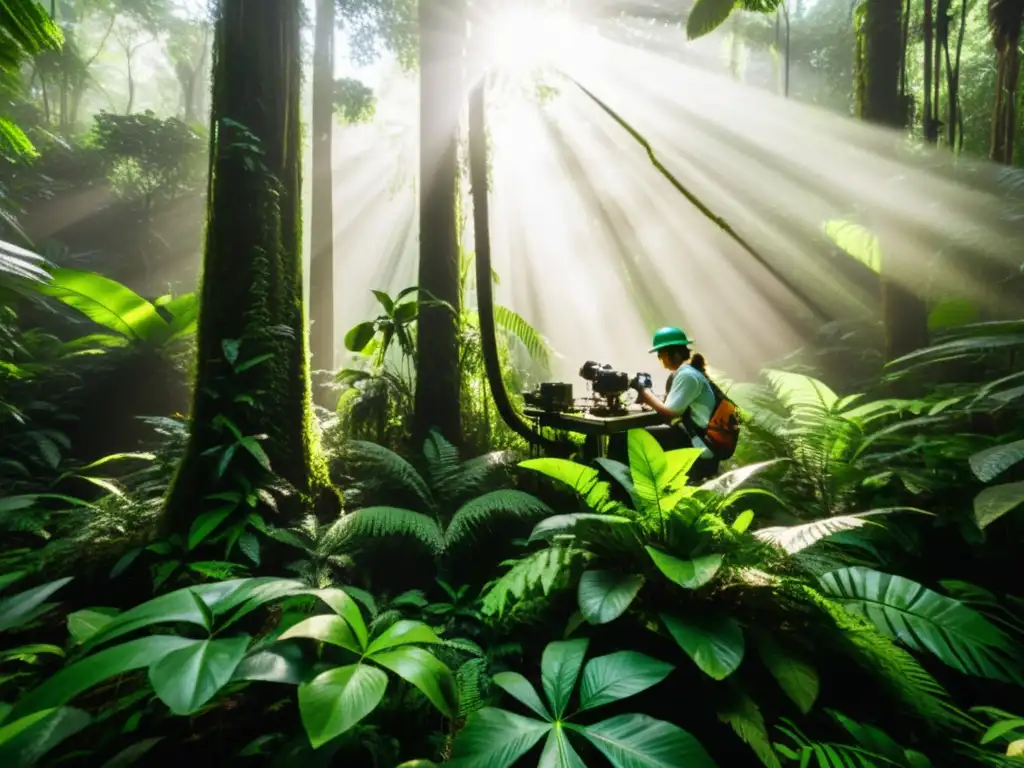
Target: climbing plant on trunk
[(252, 387)]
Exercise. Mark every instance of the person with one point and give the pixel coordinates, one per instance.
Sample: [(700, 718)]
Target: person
[(688, 404)]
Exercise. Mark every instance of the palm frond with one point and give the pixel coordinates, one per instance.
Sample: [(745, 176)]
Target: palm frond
[(924, 620), (901, 676), (476, 512), (376, 522)]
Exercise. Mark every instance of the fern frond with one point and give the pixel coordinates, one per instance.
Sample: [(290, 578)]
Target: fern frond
[(386, 469), (795, 538), (374, 522), (476, 512), (540, 569), (533, 342), (472, 475), (443, 461), (383, 620), (473, 684)]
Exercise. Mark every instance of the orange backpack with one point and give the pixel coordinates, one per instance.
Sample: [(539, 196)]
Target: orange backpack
[(722, 434)]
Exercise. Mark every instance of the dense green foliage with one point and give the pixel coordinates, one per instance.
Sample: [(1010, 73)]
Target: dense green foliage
[(180, 588)]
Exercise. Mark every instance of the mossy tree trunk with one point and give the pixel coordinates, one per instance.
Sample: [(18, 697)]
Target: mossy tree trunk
[(442, 35), (252, 307), (880, 100), (322, 220)]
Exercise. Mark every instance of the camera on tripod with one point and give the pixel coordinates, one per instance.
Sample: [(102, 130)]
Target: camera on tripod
[(604, 379)]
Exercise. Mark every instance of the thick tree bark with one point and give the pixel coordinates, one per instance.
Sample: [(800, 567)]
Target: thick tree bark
[(322, 221), (881, 101), (442, 33), (251, 291)]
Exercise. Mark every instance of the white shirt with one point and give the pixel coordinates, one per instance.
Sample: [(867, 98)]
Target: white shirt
[(691, 389)]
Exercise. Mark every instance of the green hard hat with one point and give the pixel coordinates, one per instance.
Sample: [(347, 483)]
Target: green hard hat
[(669, 337)]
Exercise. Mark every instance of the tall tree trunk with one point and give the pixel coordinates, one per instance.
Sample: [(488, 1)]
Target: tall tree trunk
[(1005, 20), (881, 101), (442, 33), (322, 223), (251, 296)]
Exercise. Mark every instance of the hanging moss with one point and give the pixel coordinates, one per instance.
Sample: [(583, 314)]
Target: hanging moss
[(252, 306)]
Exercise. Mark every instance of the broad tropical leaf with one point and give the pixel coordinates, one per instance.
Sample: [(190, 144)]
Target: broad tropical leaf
[(925, 620)]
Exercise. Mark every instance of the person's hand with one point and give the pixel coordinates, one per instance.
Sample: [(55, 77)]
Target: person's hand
[(641, 382)]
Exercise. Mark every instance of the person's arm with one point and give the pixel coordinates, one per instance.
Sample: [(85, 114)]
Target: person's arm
[(685, 389), (649, 398)]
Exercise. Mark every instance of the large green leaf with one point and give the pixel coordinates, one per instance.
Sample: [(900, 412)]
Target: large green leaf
[(495, 738), (579, 477), (402, 632), (689, 574), (706, 16), (334, 701), (189, 677), (639, 741), (647, 467), (21, 607), (559, 667), (181, 606), (746, 720), (557, 525), (714, 643), (283, 662), (333, 630), (992, 503), (796, 677), (517, 685), (558, 751), (28, 747), (422, 669), (108, 303), (605, 595), (991, 462), (84, 624), (83, 675), (618, 676), (343, 604), (925, 620), (12, 729)]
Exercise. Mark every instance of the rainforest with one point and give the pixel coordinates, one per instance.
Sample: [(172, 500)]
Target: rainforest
[(510, 383)]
